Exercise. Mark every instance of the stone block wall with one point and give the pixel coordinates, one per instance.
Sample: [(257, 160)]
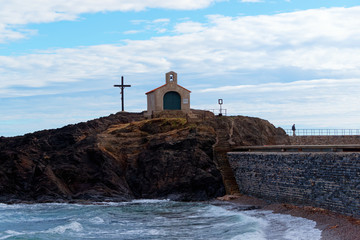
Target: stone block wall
[(326, 180), (324, 140)]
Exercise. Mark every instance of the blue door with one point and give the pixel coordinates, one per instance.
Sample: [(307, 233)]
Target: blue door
[(172, 101)]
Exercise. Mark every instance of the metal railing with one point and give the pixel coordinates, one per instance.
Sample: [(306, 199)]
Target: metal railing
[(323, 132)]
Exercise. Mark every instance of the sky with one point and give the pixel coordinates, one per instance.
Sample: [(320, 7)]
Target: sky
[(286, 61)]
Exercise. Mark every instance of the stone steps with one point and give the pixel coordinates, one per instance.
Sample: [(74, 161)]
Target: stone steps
[(220, 152)]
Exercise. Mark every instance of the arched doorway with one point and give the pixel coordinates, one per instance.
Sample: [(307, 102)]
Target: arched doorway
[(172, 101)]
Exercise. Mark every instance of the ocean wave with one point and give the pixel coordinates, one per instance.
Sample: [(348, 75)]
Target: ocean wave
[(10, 233), (151, 219), (287, 227), (96, 220), (73, 226), (151, 201), (258, 235)]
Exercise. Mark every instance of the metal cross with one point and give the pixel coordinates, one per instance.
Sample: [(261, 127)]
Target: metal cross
[(122, 86)]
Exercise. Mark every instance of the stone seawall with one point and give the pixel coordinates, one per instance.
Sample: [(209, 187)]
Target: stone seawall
[(326, 180), (324, 140)]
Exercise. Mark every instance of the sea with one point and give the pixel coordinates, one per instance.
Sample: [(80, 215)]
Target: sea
[(150, 219)]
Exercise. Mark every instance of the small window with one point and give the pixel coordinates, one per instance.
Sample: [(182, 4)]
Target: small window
[(171, 78)]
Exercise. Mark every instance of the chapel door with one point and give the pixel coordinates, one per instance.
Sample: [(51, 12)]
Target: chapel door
[(172, 101)]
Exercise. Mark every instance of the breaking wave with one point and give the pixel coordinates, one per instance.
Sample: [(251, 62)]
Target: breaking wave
[(149, 219)]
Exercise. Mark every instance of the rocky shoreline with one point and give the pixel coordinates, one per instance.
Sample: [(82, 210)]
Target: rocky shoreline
[(125, 156)]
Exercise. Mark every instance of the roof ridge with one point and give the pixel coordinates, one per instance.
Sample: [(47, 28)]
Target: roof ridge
[(165, 85)]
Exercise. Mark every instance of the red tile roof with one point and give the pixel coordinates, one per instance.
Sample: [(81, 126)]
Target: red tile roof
[(163, 86)]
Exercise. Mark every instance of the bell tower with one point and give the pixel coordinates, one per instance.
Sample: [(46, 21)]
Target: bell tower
[(171, 78)]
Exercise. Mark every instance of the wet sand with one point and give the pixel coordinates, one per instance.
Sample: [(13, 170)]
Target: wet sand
[(334, 226)]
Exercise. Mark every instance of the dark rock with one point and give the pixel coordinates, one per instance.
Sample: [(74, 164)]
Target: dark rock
[(123, 156)]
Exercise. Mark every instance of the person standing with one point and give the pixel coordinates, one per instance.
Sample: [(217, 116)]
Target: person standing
[(293, 129)]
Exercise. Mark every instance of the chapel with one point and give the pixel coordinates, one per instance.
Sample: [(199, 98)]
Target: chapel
[(169, 96)]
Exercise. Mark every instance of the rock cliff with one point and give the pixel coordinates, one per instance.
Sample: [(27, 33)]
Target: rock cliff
[(124, 156)]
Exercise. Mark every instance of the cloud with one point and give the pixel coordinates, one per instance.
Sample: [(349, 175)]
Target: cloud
[(253, 62), (316, 103), (189, 27), (157, 25), (310, 86), (15, 14), (132, 32), (38, 11), (7, 34), (322, 41), (162, 20)]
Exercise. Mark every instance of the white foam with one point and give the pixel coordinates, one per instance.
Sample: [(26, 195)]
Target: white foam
[(215, 211), (150, 201), (97, 220), (306, 231), (245, 218), (156, 232), (73, 226), (134, 232), (253, 227), (115, 204), (10, 233), (144, 232), (11, 206), (259, 235), (288, 227)]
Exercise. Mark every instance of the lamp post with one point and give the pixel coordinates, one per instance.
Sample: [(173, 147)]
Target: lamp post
[(220, 101)]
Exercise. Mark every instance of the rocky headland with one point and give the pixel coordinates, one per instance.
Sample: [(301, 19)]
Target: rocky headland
[(125, 156)]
